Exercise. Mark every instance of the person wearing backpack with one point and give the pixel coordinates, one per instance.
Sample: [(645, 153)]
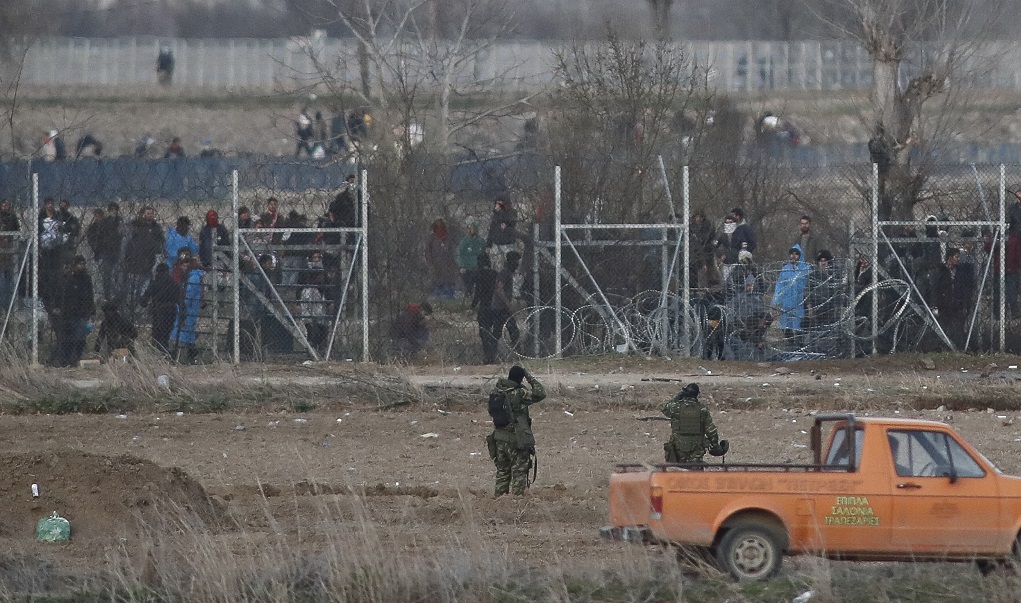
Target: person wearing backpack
[(512, 443)]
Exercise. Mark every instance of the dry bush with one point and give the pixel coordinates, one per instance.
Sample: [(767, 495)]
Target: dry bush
[(358, 559)]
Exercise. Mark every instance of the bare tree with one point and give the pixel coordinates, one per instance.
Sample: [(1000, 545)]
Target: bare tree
[(620, 104), (17, 25), (920, 50), (420, 56), (11, 66)]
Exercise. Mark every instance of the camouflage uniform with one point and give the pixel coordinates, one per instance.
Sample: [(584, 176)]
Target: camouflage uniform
[(512, 461), (691, 429)]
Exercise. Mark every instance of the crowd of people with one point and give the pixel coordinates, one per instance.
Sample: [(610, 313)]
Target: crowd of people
[(482, 270), (113, 267), (804, 306), (809, 298), (751, 311)]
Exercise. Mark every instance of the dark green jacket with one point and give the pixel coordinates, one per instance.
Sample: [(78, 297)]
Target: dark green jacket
[(519, 398), (468, 251), (691, 426)]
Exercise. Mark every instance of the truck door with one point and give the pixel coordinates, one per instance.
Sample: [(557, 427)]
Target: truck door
[(943, 501), (853, 511)]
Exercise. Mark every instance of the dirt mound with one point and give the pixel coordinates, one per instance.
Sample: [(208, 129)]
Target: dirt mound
[(101, 496)]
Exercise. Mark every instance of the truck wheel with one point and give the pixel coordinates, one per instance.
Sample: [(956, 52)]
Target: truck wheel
[(750, 553)]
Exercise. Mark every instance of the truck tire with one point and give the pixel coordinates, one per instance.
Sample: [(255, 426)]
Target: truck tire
[(750, 552)]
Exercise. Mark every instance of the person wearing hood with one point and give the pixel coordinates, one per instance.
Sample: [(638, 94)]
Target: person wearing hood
[(185, 332), (439, 254), (212, 234), (789, 295), (512, 443), (178, 237)]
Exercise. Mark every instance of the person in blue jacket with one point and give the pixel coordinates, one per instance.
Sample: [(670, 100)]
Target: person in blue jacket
[(789, 295), (185, 333), (178, 238)]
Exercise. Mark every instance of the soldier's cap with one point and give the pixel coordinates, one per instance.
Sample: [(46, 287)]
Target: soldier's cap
[(691, 389), (516, 374)]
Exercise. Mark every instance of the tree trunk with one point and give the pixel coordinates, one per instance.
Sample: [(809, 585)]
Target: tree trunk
[(363, 70), (894, 116)]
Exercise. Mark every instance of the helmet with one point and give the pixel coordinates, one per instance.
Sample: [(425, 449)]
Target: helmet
[(720, 449), (690, 390)]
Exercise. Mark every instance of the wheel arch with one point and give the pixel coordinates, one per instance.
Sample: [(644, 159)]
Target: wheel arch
[(754, 516)]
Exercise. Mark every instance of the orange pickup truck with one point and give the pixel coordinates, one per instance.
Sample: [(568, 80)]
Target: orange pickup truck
[(878, 489)]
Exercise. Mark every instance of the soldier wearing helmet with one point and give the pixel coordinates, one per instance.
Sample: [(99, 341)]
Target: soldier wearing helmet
[(692, 430)]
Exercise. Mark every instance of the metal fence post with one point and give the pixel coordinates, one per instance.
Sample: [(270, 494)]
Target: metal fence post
[(35, 269), (1003, 257), (875, 258), (558, 257), (365, 265), (536, 293), (686, 268), (236, 265)]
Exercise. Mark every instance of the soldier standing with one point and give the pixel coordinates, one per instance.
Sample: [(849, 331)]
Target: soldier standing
[(691, 427), (512, 444)]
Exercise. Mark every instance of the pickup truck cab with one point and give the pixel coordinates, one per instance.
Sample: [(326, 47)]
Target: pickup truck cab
[(878, 489)]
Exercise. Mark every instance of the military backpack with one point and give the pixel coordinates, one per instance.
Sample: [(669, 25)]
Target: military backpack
[(499, 409)]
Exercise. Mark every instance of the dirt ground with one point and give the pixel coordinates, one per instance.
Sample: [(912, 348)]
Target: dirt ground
[(423, 466)]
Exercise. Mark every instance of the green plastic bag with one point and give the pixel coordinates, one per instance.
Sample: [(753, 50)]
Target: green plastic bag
[(53, 529)]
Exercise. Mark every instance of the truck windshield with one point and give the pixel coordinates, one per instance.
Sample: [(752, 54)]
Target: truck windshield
[(838, 454)]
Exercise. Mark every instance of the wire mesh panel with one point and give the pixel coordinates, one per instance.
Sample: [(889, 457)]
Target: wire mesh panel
[(130, 265), (463, 261), (15, 265), (299, 248), (942, 244)]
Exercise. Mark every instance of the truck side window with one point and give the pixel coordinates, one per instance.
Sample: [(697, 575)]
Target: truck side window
[(838, 454), (930, 454), (899, 453)]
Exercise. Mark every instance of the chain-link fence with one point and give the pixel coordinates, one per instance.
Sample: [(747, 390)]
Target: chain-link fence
[(200, 269), (484, 261)]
